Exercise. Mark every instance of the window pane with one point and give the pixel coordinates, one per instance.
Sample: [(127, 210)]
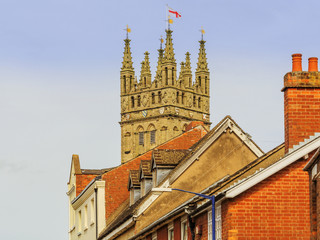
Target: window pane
[(153, 136), (141, 138)]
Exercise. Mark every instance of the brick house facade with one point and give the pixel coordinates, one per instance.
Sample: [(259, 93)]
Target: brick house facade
[(275, 196)]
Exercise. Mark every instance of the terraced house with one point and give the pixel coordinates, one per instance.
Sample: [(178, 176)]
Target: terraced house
[(168, 147)]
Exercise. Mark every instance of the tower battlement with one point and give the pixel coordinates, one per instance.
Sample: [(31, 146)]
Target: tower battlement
[(154, 111)]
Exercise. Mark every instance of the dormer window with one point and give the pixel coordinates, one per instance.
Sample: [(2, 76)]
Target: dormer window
[(145, 177), (134, 186)]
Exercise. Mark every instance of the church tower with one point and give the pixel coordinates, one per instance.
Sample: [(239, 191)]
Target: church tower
[(153, 112)]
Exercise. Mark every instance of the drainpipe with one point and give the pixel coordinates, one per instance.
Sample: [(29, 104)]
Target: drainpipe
[(96, 200), (213, 201), (192, 226)]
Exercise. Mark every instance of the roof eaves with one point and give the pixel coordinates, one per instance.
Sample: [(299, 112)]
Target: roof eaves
[(262, 174)]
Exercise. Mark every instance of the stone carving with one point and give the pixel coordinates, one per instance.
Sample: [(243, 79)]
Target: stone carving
[(165, 97), (173, 98), (189, 102), (206, 105), (124, 104), (145, 100)]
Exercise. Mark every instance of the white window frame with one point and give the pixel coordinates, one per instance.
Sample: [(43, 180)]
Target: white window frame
[(79, 222), (85, 217), (184, 234), (154, 236), (171, 230), (218, 223), (92, 211), (210, 224)]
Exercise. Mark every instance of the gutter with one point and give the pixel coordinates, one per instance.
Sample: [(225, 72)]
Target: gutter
[(119, 229), (96, 199), (254, 179)]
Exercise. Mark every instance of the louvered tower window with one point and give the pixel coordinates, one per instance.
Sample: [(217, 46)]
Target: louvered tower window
[(153, 136), (141, 138)]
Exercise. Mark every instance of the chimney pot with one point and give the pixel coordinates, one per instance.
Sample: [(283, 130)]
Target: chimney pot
[(313, 64), (296, 62)]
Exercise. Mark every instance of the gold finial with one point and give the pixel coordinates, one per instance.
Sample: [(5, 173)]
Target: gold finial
[(202, 32), (161, 41), (128, 30), (170, 21)]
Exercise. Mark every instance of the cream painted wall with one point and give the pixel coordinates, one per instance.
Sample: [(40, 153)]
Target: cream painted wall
[(84, 227)]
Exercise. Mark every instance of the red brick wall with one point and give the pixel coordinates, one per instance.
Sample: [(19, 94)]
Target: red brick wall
[(149, 237), (313, 208), (302, 114), (318, 206), (315, 202), (201, 221), (276, 208), (177, 229), (162, 233)]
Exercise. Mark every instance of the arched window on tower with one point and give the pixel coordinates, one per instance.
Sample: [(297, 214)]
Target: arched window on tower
[(177, 97), (199, 81), (166, 69), (140, 131), (153, 100), (159, 97), (190, 82), (182, 98), (152, 131), (199, 102), (206, 84), (124, 84), (139, 101), (145, 81), (132, 101), (194, 101), (172, 75), (130, 83)]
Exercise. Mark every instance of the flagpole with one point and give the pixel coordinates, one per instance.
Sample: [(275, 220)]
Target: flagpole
[(167, 16)]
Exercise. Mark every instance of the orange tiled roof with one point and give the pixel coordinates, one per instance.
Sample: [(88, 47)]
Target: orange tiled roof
[(145, 168), (117, 178), (168, 157)]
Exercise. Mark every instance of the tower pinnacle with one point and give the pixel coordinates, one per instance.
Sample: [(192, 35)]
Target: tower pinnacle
[(159, 66), (188, 63), (127, 59), (145, 65), (168, 51), (202, 64)]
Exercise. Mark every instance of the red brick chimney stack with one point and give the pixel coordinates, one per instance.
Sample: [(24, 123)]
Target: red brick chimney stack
[(296, 62), (301, 101), (313, 64)]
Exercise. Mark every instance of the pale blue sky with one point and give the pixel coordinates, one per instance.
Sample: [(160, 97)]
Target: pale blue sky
[(59, 71)]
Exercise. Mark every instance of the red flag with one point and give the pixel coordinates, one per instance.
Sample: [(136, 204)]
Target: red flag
[(178, 15)]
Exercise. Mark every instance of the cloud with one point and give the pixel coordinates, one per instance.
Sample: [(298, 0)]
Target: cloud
[(12, 167)]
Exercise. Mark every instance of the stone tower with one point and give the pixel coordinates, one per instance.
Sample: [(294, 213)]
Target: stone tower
[(152, 112)]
